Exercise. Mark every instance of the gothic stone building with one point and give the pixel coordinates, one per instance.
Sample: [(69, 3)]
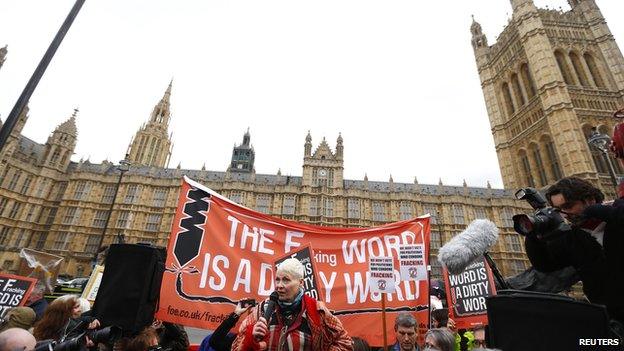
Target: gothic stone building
[(50, 203), (551, 76)]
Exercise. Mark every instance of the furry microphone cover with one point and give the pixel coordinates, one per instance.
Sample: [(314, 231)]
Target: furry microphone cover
[(468, 245)]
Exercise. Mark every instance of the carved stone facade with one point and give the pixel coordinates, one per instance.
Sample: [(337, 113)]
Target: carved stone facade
[(551, 76)]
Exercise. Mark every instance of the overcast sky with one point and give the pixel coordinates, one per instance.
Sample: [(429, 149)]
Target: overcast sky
[(397, 78)]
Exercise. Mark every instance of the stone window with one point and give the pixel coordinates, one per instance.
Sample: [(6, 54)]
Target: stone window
[(263, 203), (62, 240), (314, 206), (288, 207), (379, 211), (153, 222), (405, 210), (99, 219), (458, 214), (433, 211), (15, 210), (71, 215), (329, 208), (108, 194), (160, 196), (353, 208), (132, 193)]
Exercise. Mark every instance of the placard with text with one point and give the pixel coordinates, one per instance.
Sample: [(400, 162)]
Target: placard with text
[(466, 294), (14, 291)]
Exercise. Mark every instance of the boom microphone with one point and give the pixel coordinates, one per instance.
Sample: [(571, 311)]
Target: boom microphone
[(468, 246)]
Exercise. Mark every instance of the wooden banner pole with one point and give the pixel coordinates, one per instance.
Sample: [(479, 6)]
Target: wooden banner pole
[(383, 321)]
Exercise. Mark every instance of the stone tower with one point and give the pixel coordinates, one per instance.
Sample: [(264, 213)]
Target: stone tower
[(151, 146), (323, 168), (551, 76), (243, 156), (61, 144)]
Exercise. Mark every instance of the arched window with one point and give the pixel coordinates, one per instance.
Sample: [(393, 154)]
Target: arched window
[(563, 67), (537, 156), (526, 168), (527, 80), (579, 69), (508, 100), (593, 70), (517, 90), (555, 168)]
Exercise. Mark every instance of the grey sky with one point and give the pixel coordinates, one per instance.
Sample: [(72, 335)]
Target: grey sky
[(397, 78)]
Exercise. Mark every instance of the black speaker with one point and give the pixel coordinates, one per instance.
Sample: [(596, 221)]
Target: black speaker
[(130, 287), (523, 320)]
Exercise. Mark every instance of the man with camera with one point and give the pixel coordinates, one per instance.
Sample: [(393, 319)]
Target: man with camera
[(593, 242)]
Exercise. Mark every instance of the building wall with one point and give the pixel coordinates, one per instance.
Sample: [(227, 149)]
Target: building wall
[(549, 78)]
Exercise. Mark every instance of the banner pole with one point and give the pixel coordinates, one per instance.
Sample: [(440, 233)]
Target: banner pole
[(383, 321)]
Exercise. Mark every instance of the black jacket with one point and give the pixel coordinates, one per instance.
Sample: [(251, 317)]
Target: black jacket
[(601, 268)]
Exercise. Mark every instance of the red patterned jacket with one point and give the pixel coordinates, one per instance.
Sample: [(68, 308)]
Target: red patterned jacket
[(315, 328)]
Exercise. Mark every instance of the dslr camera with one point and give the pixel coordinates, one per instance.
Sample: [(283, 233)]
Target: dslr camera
[(544, 222), (79, 343)]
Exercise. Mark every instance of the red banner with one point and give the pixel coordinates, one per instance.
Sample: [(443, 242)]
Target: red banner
[(220, 252)]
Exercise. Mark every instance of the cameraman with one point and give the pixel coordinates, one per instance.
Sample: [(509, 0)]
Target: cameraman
[(593, 246)]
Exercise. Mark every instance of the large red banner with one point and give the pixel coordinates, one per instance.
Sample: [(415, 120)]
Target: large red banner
[(220, 252)]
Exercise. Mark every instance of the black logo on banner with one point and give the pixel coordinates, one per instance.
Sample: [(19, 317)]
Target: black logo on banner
[(189, 240)]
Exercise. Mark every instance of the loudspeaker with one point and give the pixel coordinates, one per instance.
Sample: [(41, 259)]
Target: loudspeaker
[(130, 288), (523, 320)]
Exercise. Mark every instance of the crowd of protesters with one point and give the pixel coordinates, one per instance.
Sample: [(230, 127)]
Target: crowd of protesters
[(294, 321)]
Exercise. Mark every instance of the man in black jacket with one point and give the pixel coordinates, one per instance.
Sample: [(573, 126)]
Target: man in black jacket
[(593, 247)]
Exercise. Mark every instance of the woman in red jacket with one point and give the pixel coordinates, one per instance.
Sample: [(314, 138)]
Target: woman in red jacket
[(298, 323)]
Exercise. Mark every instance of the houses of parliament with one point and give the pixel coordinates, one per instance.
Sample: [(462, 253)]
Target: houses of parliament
[(551, 76)]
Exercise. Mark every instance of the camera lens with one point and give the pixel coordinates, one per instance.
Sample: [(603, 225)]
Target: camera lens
[(523, 224)]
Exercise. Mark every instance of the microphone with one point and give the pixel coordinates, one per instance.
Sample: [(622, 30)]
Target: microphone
[(269, 309), (468, 246), (270, 306)]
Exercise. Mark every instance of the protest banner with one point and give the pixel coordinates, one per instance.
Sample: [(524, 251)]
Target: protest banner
[(412, 262), (311, 284), (93, 285), (14, 291), (466, 294), (220, 252)]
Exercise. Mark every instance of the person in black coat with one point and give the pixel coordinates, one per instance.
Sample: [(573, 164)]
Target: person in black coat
[(593, 246)]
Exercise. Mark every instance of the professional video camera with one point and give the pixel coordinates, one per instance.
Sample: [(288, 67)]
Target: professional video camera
[(79, 343), (544, 222)]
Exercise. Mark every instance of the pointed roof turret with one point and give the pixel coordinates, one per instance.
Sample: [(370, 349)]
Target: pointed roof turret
[(479, 40), (69, 126), (308, 137)]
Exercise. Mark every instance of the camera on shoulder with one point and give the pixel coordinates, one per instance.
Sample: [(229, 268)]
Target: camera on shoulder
[(544, 222)]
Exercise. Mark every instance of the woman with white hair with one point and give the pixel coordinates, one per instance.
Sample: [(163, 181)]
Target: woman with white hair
[(299, 322)]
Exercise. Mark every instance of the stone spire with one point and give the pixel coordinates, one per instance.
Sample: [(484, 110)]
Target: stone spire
[(151, 145)]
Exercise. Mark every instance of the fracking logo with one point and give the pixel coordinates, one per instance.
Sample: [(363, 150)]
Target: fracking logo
[(188, 241), (413, 272), (381, 284)]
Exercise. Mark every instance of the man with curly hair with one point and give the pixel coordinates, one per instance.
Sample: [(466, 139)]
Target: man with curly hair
[(593, 246)]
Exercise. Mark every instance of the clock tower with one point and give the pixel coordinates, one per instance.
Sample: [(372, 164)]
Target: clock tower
[(323, 168)]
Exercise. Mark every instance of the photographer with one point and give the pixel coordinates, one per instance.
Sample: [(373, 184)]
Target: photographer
[(593, 245)]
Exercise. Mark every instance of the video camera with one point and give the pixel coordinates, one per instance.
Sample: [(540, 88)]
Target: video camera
[(79, 343), (545, 220)]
